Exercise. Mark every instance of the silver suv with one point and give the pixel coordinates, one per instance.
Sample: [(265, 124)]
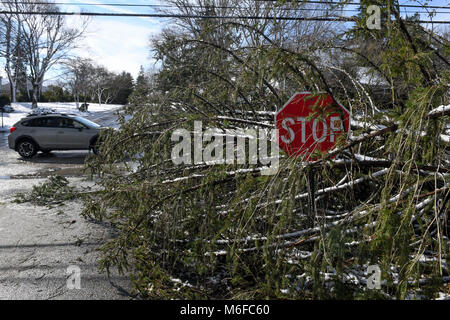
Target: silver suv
[(53, 132)]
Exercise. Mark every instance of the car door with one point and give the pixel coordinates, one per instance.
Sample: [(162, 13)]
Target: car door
[(73, 134), (44, 131), (84, 135)]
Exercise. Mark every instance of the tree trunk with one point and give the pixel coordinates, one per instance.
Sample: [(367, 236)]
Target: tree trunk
[(13, 87), (35, 96), (12, 84), (77, 101), (99, 95)]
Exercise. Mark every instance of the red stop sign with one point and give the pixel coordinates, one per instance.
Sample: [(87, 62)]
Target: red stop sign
[(309, 123)]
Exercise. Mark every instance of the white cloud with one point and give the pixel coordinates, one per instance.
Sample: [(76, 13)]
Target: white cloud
[(117, 44)]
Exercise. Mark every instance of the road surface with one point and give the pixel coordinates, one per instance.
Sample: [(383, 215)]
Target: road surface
[(41, 249)]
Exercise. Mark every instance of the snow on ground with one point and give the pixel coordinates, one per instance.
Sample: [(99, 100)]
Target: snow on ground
[(22, 109)]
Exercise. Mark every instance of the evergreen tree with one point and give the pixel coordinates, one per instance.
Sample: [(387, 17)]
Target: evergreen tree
[(142, 84), (124, 84)]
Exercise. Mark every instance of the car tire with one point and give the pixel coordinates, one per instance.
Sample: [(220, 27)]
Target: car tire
[(27, 148), (95, 147)]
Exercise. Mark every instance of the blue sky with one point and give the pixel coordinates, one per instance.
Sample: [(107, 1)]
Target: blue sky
[(441, 15), (118, 43), (122, 43)]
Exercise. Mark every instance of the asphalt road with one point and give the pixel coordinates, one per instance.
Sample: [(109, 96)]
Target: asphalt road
[(3, 140), (41, 249)]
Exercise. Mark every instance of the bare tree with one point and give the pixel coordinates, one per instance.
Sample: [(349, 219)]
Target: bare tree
[(92, 82), (101, 83), (48, 40), (79, 78), (11, 45)]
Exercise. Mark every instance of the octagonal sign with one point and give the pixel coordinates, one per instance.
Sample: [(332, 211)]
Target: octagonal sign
[(308, 124)]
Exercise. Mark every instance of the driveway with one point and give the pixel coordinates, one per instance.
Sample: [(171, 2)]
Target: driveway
[(41, 249)]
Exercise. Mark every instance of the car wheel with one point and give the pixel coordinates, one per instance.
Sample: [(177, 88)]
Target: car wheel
[(95, 147), (27, 148), (95, 150)]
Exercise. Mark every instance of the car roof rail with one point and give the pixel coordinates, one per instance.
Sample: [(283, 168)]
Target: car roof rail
[(42, 112)]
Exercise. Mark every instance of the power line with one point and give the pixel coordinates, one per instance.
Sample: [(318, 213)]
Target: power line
[(156, 6), (169, 15), (358, 4), (197, 6), (278, 8)]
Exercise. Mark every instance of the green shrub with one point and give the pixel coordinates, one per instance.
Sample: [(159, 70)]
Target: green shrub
[(4, 100)]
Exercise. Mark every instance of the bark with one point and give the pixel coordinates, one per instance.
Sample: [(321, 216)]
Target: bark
[(35, 95)]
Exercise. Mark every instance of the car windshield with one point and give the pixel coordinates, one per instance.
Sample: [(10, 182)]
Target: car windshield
[(88, 123)]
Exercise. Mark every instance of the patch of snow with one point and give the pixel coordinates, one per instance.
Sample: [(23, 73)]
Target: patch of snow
[(370, 77), (439, 109), (361, 157), (363, 124), (445, 138), (443, 296), (176, 280)]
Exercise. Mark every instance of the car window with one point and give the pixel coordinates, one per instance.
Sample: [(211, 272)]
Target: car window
[(79, 125), (65, 123), (50, 122), (38, 122), (87, 123), (70, 123), (28, 123)]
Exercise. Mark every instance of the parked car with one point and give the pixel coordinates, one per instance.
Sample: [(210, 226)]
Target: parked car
[(6, 109), (53, 132)]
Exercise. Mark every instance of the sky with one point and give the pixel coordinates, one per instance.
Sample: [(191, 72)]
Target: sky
[(122, 43), (118, 43)]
